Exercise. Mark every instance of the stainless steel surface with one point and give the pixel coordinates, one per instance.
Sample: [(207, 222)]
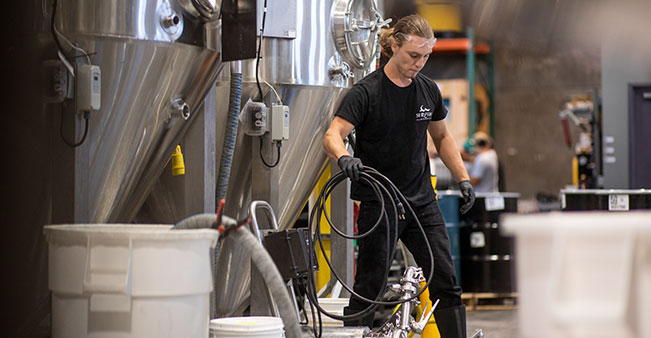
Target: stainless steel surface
[(355, 26), (128, 140), (132, 136), (285, 28), (157, 20), (262, 301), (207, 10), (302, 158), (298, 69), (137, 19), (401, 323), (269, 212), (343, 217), (302, 162), (150, 89), (304, 60)]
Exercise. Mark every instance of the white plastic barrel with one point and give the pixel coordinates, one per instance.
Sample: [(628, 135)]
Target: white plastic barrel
[(128, 281), (583, 274), (255, 327)]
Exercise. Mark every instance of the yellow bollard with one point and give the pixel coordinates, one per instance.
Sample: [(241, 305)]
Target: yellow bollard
[(431, 330)]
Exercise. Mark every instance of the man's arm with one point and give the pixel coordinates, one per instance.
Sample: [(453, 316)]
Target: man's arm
[(333, 143), (452, 158), (447, 149)]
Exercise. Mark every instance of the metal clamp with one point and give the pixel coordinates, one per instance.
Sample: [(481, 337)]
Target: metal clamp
[(343, 70)]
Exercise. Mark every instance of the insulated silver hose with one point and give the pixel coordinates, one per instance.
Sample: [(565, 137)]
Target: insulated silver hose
[(265, 264)]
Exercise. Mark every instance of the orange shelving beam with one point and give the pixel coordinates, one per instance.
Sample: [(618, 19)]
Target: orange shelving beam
[(459, 45)]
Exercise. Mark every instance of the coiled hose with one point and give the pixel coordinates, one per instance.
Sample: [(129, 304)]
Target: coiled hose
[(389, 196)]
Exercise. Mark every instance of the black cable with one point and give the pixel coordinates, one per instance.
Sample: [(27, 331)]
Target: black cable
[(53, 30), (257, 60), (382, 187), (278, 145), (83, 138)]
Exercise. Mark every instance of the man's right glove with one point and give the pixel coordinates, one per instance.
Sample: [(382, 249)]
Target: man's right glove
[(350, 167), (468, 194)]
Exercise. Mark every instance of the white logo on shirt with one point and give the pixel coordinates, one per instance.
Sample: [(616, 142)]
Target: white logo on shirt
[(423, 114)]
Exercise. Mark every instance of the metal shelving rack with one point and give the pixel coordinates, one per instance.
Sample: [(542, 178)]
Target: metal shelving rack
[(481, 50)]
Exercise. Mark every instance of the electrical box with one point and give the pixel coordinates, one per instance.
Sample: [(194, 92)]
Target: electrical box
[(289, 250), (279, 122), (89, 87), (253, 118)]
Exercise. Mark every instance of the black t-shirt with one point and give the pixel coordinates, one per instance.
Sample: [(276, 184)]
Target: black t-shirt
[(391, 128)]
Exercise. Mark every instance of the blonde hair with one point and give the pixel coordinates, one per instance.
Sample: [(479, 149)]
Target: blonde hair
[(410, 25)]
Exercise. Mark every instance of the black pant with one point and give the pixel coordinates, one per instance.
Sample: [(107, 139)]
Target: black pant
[(371, 264)]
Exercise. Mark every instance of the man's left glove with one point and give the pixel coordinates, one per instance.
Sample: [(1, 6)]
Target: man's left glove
[(468, 194)]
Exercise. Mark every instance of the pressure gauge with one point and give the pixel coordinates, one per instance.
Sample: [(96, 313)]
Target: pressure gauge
[(355, 26)]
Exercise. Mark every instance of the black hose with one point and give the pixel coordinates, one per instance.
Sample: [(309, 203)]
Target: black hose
[(382, 187)]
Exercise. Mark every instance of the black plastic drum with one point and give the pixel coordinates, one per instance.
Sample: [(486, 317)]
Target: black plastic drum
[(487, 261), (603, 199)]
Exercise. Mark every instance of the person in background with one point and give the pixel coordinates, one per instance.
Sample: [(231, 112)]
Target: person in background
[(484, 171), (391, 110)]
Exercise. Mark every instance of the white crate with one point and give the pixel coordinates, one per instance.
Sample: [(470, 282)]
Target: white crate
[(583, 274), (125, 280)]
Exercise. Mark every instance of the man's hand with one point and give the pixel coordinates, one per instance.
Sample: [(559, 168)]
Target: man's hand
[(468, 194), (351, 167)]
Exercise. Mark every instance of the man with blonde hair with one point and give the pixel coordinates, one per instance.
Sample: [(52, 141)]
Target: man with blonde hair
[(391, 110)]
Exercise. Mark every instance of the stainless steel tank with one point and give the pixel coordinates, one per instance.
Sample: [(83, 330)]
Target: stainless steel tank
[(151, 53), (311, 62), (158, 60)]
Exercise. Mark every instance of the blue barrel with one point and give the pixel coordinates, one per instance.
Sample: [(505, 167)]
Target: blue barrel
[(449, 204)]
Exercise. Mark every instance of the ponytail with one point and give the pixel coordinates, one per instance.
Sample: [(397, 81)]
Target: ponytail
[(386, 39)]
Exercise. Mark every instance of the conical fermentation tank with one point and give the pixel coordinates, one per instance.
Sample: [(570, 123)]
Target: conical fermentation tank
[(157, 59), (309, 63)]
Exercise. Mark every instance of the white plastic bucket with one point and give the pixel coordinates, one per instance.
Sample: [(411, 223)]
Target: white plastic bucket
[(256, 327), (126, 280)]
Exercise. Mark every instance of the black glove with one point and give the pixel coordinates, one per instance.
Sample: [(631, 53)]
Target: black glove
[(350, 167), (468, 194)]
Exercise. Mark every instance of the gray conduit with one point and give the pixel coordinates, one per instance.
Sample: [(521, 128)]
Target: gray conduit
[(231, 131), (200, 221), (260, 257), (265, 264)]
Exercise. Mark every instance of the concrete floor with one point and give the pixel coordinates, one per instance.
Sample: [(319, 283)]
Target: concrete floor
[(493, 323)]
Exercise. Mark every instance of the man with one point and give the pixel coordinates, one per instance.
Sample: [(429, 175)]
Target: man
[(484, 169), (391, 111)]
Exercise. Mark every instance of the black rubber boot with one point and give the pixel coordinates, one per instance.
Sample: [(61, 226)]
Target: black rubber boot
[(451, 321), (364, 321)]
